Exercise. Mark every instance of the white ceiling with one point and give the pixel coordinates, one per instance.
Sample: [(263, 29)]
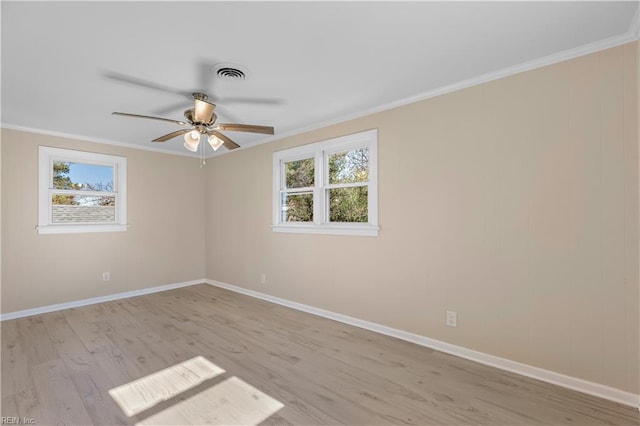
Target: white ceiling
[(67, 66)]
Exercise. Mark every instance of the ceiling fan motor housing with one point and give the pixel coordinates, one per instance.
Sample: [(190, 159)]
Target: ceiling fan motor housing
[(199, 96), (189, 113)]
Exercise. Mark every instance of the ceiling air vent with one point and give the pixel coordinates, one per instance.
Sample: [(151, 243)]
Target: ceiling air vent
[(230, 71)]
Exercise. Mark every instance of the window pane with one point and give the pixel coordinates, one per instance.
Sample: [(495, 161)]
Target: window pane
[(297, 207), (349, 204), (299, 173), (83, 177), (349, 167), (82, 209)]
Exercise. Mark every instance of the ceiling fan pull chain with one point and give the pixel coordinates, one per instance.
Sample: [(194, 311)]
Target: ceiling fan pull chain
[(204, 161)]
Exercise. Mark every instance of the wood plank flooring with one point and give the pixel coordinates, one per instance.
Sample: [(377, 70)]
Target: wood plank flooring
[(58, 368)]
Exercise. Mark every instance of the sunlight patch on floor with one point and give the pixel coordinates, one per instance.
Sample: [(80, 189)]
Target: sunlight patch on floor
[(141, 394), (231, 402)]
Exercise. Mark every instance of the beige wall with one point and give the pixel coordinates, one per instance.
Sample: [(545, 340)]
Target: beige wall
[(0, 238), (514, 203), (164, 245)]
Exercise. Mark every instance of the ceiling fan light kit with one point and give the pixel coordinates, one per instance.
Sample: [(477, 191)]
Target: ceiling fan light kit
[(191, 140), (215, 142), (201, 120)]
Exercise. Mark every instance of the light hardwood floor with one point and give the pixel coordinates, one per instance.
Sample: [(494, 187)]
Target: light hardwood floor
[(58, 368)]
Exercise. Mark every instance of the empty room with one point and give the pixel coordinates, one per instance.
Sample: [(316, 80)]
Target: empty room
[(320, 213)]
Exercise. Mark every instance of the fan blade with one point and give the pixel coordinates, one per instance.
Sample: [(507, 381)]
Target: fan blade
[(177, 106), (203, 112), (128, 79), (171, 135), (228, 143), (126, 114), (204, 74), (267, 130), (228, 115), (226, 100)]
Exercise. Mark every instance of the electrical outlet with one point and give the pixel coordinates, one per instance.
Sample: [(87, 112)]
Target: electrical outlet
[(452, 319), (106, 276), (263, 278)]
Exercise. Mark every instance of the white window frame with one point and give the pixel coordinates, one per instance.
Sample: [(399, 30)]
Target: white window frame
[(49, 155), (320, 152)]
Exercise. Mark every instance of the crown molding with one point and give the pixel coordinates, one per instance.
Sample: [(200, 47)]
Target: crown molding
[(631, 35), (83, 138)]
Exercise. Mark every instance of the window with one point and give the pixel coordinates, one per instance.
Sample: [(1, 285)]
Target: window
[(328, 187), (81, 192)]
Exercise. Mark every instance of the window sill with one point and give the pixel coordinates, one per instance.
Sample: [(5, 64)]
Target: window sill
[(80, 229), (364, 230)]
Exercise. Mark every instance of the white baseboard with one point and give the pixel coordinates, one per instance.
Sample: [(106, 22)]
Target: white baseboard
[(591, 388), (94, 300)]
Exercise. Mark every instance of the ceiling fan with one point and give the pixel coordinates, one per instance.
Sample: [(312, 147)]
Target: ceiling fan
[(201, 121)]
